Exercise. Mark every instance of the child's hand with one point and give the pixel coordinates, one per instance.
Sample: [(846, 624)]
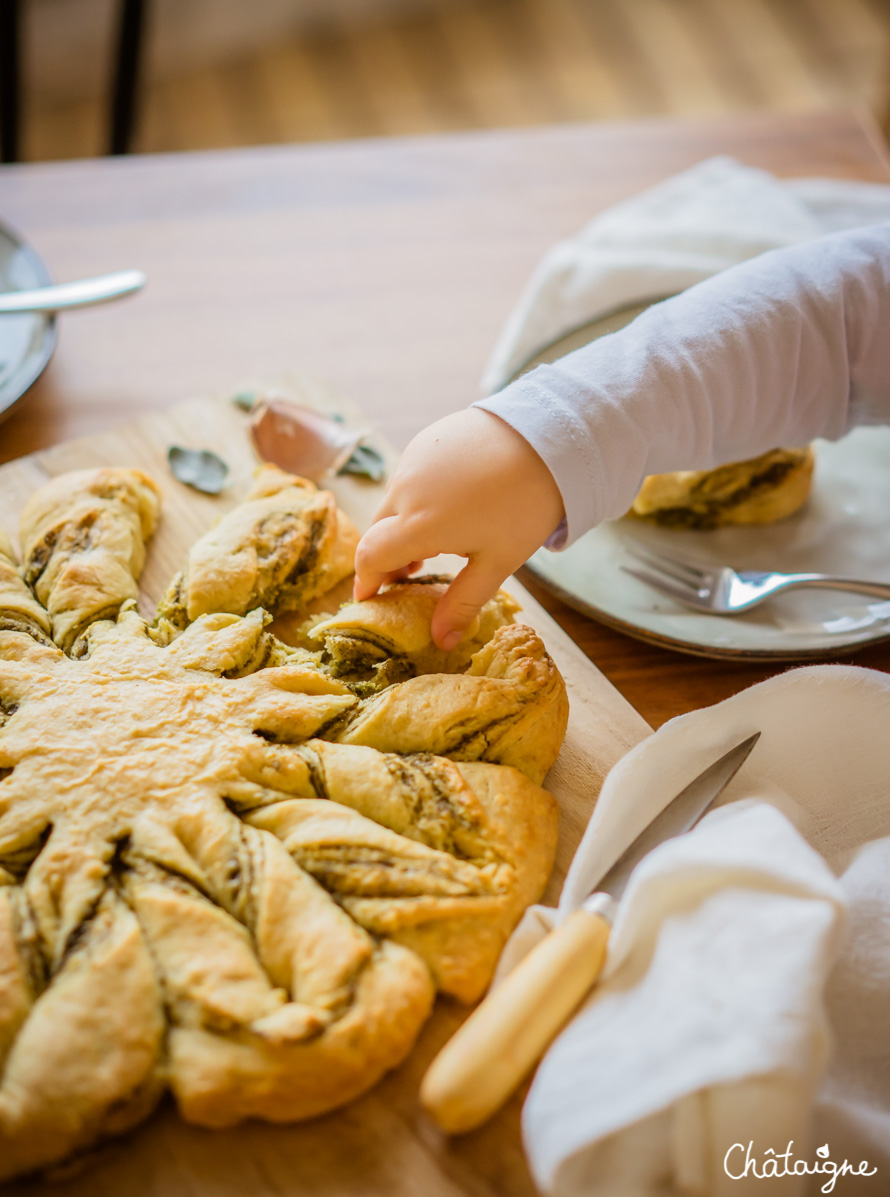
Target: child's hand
[(470, 485)]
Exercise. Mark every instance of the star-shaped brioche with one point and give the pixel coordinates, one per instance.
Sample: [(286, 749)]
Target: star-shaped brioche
[(227, 871)]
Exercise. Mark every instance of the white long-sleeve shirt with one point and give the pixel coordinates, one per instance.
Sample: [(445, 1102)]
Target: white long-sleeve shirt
[(789, 346)]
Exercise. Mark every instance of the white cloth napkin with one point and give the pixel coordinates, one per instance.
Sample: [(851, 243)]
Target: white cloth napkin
[(746, 997), (668, 238)]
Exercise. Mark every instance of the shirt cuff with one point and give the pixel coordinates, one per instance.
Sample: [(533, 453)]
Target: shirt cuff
[(563, 444)]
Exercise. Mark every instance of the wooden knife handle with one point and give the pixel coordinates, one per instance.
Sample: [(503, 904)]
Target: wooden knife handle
[(506, 1035)]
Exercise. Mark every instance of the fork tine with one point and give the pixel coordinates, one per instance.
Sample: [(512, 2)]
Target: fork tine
[(641, 549), (673, 588), (665, 567), (675, 567)]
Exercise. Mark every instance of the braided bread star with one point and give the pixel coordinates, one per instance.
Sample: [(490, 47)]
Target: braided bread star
[(210, 881)]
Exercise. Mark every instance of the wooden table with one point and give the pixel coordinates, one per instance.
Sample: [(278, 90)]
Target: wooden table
[(384, 267)]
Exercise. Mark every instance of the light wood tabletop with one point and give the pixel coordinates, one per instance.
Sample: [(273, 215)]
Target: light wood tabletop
[(385, 268)]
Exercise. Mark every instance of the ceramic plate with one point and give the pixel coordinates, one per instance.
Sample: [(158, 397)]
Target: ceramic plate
[(26, 341), (844, 529)]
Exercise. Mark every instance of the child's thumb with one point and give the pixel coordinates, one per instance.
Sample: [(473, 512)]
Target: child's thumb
[(476, 583)]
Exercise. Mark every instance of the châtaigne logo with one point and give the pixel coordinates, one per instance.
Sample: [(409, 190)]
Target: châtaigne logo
[(741, 1161)]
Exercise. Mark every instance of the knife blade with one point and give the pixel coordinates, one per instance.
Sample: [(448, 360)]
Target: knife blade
[(506, 1035)]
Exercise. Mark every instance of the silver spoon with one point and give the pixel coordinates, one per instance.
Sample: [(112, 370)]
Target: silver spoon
[(78, 294)]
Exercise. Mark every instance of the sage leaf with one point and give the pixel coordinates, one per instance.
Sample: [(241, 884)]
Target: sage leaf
[(366, 462), (199, 468)]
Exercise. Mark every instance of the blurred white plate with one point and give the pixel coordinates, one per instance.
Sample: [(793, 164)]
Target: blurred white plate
[(27, 340), (844, 529)]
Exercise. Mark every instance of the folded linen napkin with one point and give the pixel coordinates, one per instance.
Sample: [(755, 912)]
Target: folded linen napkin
[(738, 1005), (666, 239)]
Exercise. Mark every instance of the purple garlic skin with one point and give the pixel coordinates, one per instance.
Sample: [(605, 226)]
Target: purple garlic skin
[(299, 439)]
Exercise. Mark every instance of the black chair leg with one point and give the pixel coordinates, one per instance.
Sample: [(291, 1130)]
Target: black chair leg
[(10, 79), (127, 72)]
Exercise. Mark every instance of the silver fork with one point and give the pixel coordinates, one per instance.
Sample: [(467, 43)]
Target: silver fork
[(725, 591)]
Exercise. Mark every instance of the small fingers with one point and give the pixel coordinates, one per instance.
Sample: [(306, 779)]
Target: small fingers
[(476, 583), (396, 575), (390, 549), (367, 586)]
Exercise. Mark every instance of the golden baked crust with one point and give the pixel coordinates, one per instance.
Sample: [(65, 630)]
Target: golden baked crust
[(509, 707), (83, 545), (210, 882), (387, 638), (451, 854), (761, 490), (151, 903), (19, 609), (285, 544)]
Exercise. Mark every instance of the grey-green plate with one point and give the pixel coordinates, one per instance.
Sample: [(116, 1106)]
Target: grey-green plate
[(27, 340), (843, 529)]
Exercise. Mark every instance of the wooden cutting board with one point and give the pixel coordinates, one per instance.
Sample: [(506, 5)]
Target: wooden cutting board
[(381, 1145)]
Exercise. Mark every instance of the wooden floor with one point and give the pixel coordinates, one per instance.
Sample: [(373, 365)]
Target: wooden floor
[(465, 64)]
